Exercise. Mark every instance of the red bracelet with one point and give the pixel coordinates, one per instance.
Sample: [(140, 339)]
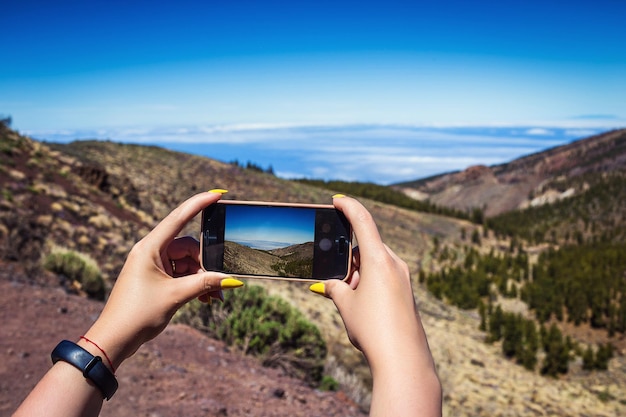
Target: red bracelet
[(103, 352)]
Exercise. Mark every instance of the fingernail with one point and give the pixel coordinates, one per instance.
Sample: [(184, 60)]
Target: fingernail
[(228, 283), (218, 191), (318, 288), (339, 196)]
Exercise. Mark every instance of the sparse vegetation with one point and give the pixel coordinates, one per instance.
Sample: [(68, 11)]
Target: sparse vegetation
[(264, 326), (581, 284), (76, 267), (251, 166), (294, 268), (388, 195), (5, 120), (519, 337), (581, 280), (465, 285), (595, 214), (328, 384), (520, 341)]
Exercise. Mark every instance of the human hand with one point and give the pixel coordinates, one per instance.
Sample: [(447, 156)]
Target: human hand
[(378, 310), (145, 295)]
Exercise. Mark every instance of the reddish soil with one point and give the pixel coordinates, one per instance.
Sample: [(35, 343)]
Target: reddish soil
[(180, 373)]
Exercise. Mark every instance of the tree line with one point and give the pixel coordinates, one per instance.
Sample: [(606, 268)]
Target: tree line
[(594, 214), (388, 195), (466, 285), (522, 341), (552, 288), (581, 284)]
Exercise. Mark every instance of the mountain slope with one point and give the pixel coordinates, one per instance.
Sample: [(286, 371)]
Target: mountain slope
[(100, 197), (528, 180)]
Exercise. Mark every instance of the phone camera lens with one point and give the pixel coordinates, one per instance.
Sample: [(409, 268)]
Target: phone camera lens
[(325, 244)]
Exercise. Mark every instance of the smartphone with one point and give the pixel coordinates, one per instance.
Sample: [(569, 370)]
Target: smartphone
[(249, 239)]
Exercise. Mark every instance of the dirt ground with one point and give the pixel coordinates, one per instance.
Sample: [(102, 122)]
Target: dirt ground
[(180, 373)]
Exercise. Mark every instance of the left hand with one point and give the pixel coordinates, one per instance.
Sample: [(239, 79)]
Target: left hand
[(145, 295)]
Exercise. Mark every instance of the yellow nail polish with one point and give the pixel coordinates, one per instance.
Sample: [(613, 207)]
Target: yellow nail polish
[(318, 288), (228, 283), (339, 196), (218, 191)]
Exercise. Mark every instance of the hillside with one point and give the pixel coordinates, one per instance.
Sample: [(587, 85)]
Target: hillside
[(242, 259), (100, 197), (531, 180)]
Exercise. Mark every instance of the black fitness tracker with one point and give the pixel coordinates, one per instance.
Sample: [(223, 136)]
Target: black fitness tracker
[(91, 366)]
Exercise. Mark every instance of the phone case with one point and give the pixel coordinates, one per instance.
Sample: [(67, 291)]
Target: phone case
[(328, 255)]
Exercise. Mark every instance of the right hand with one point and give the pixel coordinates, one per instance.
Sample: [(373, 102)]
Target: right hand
[(378, 309)]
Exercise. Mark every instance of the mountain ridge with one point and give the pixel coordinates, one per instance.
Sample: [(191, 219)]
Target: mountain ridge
[(504, 187)]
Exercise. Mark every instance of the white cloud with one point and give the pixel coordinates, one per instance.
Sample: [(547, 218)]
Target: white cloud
[(379, 153), (580, 133), (539, 132)]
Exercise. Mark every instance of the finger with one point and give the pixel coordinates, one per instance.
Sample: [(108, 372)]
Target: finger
[(354, 279), (362, 223), (171, 225), (213, 295), (356, 258), (181, 256), (331, 288), (182, 266), (183, 247), (193, 286)]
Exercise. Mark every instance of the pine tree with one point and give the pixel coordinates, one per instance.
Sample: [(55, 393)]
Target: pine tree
[(604, 354), (496, 321), (588, 359), (512, 345), (557, 354), (528, 358), (483, 316)]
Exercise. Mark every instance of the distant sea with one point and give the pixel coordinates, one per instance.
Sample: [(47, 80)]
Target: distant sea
[(263, 244), (382, 154), (379, 154)]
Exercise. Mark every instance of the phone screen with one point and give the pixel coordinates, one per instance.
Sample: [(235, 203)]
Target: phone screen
[(276, 240)]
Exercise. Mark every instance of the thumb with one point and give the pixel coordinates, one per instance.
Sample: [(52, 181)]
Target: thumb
[(342, 295), (195, 285), (336, 290)]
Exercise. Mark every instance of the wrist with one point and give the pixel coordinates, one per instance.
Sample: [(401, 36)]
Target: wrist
[(89, 344), (405, 383), (104, 344), (407, 355), (92, 366)]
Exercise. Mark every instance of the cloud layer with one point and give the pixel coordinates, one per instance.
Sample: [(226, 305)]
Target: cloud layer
[(382, 154)]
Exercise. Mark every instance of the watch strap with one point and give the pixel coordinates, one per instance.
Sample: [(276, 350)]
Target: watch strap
[(91, 366)]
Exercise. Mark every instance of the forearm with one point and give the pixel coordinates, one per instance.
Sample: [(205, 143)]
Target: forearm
[(404, 374), (141, 304), (406, 394), (63, 391)]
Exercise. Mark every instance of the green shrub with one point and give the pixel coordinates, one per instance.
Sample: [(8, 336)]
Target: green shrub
[(264, 326), (79, 267), (329, 384)]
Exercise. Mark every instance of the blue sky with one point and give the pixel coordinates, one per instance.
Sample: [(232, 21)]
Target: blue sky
[(265, 228), (373, 91)]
